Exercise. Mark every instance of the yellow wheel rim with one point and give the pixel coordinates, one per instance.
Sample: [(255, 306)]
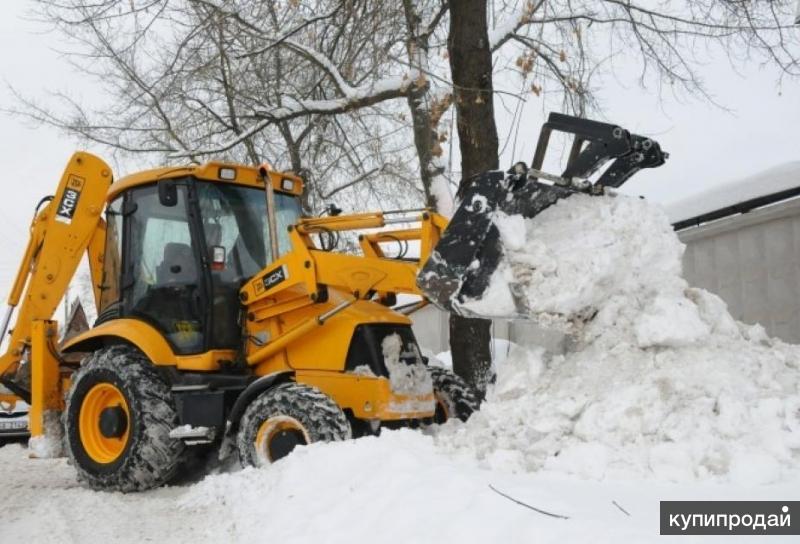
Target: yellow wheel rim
[(99, 447), (440, 403), (272, 429)]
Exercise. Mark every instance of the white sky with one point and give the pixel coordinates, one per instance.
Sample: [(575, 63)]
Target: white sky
[(707, 145)]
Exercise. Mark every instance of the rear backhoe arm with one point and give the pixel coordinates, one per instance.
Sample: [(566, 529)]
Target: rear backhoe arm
[(69, 224)]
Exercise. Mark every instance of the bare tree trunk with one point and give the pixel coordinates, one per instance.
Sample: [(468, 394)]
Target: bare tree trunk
[(293, 148), (425, 115), (424, 137), (471, 67)]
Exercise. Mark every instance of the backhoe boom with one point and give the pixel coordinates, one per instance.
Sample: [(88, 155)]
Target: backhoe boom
[(61, 231)]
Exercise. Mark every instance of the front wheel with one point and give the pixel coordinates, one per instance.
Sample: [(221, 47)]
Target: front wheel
[(454, 397), (284, 417), (118, 417)]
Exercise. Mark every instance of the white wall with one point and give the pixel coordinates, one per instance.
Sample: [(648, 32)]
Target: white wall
[(752, 261)]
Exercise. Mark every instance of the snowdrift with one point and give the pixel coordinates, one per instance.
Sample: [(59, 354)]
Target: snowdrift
[(396, 488), (660, 382)]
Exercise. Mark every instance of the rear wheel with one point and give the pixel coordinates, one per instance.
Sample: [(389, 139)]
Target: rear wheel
[(284, 417), (454, 397), (118, 417)]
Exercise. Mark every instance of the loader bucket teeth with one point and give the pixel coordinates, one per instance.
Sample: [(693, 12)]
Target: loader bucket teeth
[(462, 263)]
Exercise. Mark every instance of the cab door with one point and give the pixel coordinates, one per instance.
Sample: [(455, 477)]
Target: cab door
[(163, 279)]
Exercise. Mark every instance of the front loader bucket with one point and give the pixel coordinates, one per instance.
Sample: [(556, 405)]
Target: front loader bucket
[(469, 251)]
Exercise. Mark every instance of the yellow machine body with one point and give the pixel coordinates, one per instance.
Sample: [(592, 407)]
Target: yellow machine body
[(302, 325)]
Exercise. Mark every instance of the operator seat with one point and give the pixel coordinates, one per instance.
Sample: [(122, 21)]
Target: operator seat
[(172, 301), (178, 266)]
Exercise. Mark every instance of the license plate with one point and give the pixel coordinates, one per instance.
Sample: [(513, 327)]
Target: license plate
[(13, 425)]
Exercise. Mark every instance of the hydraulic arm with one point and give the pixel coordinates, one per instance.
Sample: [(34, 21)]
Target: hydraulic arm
[(67, 225), (303, 276)]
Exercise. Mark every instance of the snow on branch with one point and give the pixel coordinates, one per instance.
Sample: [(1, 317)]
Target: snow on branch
[(506, 29), (323, 62), (354, 98)]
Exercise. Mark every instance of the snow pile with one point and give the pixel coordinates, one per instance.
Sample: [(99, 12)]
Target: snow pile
[(406, 378), (561, 266), (397, 488), (660, 381), (50, 445)]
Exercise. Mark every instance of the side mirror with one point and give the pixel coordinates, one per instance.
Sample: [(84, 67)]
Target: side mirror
[(167, 193), (333, 210)]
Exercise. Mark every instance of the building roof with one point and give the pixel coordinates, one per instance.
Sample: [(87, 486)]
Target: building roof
[(738, 196)]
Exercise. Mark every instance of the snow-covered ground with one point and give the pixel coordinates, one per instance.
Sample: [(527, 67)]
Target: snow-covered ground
[(661, 396), (397, 488)]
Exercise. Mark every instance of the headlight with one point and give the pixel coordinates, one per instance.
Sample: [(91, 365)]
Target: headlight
[(227, 173)]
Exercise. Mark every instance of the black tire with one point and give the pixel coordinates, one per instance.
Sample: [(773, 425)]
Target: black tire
[(309, 414), (150, 458), (454, 397)]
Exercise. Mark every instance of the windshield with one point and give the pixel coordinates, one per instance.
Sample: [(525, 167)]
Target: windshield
[(287, 213), (237, 245), (237, 230)]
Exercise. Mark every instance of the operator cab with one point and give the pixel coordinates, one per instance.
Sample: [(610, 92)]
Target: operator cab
[(180, 246)]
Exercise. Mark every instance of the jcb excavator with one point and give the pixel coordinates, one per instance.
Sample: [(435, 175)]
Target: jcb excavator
[(226, 317)]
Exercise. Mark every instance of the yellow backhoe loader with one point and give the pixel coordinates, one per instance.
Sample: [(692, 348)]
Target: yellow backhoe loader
[(227, 318)]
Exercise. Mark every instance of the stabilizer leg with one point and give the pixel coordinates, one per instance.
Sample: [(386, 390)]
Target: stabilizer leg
[(47, 399)]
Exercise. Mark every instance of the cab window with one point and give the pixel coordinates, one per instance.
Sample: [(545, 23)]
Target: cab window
[(112, 258), (164, 278), (287, 213), (237, 245)]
